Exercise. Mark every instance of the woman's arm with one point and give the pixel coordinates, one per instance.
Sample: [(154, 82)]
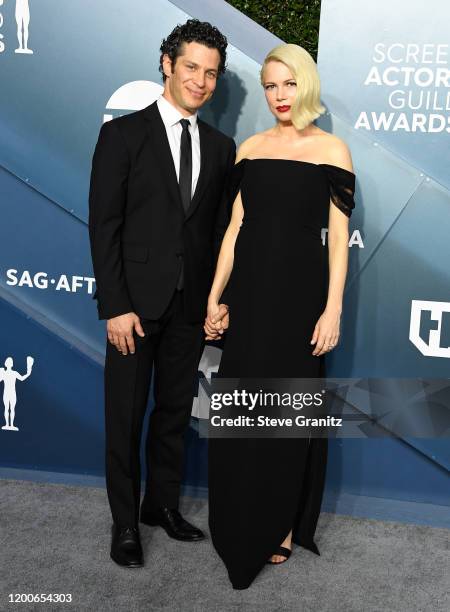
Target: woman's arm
[(217, 317), (226, 253), (338, 238), (327, 330), (214, 324)]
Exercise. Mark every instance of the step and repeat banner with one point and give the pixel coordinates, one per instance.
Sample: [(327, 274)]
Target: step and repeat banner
[(67, 67)]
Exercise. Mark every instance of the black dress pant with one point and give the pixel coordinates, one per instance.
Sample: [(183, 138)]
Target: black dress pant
[(172, 348)]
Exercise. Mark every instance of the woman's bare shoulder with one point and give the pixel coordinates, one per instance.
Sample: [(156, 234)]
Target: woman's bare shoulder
[(337, 152), (251, 144)]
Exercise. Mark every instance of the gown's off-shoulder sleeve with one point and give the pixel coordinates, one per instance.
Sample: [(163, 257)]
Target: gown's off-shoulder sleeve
[(342, 187), (235, 183)]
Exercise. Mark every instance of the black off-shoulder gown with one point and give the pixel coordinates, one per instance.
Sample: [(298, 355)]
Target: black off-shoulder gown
[(261, 488)]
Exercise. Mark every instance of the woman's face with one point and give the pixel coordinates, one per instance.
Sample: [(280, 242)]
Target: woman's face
[(280, 89)]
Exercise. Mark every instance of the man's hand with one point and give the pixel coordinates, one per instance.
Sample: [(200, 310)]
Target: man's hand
[(120, 332), (216, 321)]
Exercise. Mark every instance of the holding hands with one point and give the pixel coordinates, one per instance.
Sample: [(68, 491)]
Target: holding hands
[(216, 321)]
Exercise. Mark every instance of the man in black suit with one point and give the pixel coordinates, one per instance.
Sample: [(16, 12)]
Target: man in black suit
[(157, 213)]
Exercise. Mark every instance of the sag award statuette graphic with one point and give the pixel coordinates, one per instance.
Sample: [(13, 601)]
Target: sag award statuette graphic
[(23, 20), (9, 377)]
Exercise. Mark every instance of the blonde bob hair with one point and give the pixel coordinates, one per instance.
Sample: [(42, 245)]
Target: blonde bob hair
[(307, 106)]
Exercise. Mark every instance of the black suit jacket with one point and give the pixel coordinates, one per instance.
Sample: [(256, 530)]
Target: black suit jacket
[(137, 225)]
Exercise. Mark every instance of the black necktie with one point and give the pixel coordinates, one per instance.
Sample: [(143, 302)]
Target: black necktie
[(185, 179)]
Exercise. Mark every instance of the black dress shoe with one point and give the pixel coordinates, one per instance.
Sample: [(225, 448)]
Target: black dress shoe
[(126, 549), (174, 524)]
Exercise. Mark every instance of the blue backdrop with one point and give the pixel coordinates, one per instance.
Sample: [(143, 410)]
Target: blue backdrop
[(385, 88)]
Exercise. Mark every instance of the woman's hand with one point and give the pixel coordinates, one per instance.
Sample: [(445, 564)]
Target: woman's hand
[(326, 332), (216, 321)]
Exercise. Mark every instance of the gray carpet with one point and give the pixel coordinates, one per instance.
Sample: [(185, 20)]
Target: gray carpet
[(55, 539)]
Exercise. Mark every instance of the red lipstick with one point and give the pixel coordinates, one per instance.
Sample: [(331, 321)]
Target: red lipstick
[(283, 109)]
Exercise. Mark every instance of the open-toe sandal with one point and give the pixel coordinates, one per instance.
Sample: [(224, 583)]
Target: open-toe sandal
[(283, 552)]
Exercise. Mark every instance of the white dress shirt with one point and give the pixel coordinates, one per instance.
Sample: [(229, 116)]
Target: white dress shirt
[(171, 119)]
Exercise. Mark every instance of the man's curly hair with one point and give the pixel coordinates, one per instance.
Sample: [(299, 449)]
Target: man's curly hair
[(194, 31)]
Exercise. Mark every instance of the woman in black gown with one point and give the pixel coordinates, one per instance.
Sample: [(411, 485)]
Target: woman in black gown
[(284, 292)]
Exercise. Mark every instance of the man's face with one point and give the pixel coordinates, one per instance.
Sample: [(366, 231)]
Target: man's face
[(192, 79)]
